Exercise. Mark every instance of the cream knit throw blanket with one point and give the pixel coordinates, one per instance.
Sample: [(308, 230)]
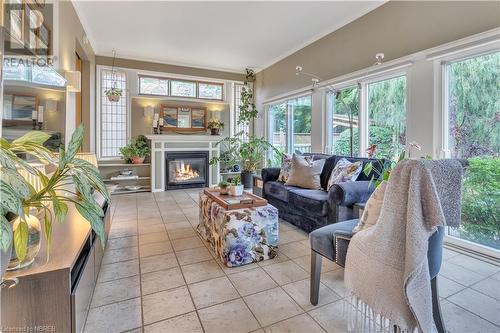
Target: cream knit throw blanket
[(386, 272)]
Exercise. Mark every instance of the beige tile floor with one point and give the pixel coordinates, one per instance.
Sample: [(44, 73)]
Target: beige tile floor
[(158, 276)]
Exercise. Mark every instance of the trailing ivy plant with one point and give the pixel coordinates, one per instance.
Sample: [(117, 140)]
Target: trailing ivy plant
[(248, 110), (51, 201)]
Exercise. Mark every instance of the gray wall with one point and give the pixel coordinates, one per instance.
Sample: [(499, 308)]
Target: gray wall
[(397, 28)]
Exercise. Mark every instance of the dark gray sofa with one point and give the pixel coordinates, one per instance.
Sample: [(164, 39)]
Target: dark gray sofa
[(312, 209)]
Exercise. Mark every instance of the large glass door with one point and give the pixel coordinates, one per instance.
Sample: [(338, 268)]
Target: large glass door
[(473, 107)]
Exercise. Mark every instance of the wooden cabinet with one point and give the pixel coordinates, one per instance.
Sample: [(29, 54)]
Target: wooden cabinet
[(55, 295)]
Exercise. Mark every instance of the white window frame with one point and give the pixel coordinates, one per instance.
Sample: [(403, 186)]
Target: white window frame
[(288, 116), (441, 111), (98, 122), (362, 82)]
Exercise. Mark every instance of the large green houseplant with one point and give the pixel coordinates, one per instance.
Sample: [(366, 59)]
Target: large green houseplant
[(50, 201), (136, 151)]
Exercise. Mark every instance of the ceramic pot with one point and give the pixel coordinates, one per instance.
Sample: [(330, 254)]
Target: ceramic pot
[(224, 190), (137, 160), (247, 178), (236, 190), (215, 131), (113, 98)]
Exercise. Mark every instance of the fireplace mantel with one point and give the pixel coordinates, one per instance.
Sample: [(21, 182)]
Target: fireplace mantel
[(162, 143)]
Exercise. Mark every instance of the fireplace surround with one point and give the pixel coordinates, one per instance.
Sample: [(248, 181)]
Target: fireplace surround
[(186, 169)]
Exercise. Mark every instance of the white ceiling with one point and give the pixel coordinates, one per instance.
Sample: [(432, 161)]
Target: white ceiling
[(217, 35)]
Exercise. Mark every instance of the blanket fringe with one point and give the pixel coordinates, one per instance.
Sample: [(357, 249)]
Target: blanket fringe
[(361, 318)]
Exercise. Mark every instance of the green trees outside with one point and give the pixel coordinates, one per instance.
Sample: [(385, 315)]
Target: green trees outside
[(474, 113)]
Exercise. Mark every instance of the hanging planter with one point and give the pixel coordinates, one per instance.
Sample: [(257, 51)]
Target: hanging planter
[(113, 94)]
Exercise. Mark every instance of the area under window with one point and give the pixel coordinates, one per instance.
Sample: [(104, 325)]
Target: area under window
[(210, 90), (183, 88), (387, 116), (113, 115), (472, 106), (153, 86), (289, 126)]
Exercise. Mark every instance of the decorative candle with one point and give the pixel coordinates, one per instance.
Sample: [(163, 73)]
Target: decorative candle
[(156, 116), (155, 122), (34, 115), (40, 114), (161, 122)]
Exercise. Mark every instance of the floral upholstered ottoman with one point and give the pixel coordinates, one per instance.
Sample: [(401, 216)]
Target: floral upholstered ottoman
[(240, 236)]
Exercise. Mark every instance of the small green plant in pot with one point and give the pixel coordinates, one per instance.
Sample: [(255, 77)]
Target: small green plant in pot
[(215, 126), (113, 94), (236, 186), (136, 151), (224, 187)]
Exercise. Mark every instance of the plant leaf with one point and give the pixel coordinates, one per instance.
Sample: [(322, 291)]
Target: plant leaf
[(17, 182), (95, 219), (48, 229), (74, 144), (10, 199), (37, 137), (368, 168), (60, 208), (5, 234), (21, 239)]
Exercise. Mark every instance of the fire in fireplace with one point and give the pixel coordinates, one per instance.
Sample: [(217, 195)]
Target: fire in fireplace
[(186, 169)]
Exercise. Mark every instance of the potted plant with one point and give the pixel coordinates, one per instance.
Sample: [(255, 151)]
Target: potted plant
[(224, 187), (113, 94), (215, 125), (23, 206), (136, 151), (236, 186), (249, 151)]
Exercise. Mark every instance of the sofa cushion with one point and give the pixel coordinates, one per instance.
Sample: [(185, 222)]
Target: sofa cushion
[(315, 202), (365, 160), (305, 173), (277, 190)]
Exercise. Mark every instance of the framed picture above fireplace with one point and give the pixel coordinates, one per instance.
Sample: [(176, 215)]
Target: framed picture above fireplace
[(183, 118)]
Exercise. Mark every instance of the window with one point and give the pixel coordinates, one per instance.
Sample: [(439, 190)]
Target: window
[(387, 116), (183, 88), (239, 127), (20, 69), (289, 126), (473, 132), (210, 90), (301, 117), (344, 106), (113, 115), (277, 131), (153, 86)]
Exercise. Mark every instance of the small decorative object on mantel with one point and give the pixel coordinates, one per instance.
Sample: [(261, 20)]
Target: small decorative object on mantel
[(215, 125), (136, 151)]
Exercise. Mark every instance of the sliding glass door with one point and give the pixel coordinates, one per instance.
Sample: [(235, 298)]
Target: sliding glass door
[(277, 130), (300, 109), (472, 105)]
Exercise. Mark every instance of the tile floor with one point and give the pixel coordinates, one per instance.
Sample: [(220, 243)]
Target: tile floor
[(158, 276)]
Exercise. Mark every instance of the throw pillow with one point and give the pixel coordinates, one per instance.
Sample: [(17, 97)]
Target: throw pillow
[(372, 208), (305, 172), (344, 171), (286, 167)]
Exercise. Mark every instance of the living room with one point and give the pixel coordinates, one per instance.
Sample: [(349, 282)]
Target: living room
[(320, 166)]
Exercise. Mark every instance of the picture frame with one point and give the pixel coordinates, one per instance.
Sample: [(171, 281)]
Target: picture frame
[(183, 118), (198, 118), (22, 107), (170, 116)]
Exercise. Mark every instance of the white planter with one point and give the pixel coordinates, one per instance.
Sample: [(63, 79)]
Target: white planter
[(236, 190)]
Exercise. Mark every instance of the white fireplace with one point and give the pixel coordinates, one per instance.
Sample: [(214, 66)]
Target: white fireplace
[(177, 145)]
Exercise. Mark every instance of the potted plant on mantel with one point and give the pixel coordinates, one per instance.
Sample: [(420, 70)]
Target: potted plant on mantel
[(215, 125), (113, 94), (23, 206), (136, 151)]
